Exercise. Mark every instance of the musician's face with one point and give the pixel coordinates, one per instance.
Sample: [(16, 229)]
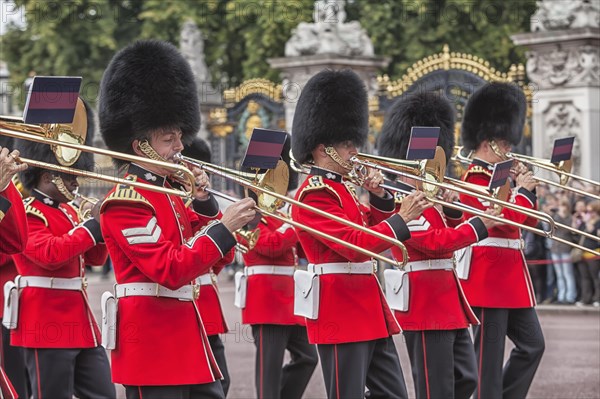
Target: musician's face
[(346, 149), (167, 143), (504, 147)]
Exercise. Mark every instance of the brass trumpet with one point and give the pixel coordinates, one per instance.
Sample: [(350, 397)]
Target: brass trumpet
[(251, 237)]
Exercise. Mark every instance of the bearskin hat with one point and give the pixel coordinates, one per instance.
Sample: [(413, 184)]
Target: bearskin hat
[(147, 86), (496, 111), (198, 149), (41, 152), (332, 108), (417, 109)]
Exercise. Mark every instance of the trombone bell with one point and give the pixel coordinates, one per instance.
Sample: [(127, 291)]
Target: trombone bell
[(68, 133)]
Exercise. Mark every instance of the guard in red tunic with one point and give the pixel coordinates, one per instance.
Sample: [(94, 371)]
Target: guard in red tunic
[(160, 244), (208, 302), (498, 285), (354, 326), (56, 326), (435, 323), (13, 239), (268, 283)]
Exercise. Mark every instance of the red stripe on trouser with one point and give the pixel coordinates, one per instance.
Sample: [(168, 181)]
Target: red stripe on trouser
[(37, 370), (140, 392), (261, 361), (480, 355), (337, 379), (425, 364)]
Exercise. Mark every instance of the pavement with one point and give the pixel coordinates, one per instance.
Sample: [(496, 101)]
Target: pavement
[(570, 367)]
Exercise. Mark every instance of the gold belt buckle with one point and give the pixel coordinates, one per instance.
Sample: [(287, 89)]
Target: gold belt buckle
[(195, 291), (213, 278), (84, 283)]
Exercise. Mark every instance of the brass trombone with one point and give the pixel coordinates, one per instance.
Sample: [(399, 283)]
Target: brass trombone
[(392, 166), (239, 178), (563, 169)]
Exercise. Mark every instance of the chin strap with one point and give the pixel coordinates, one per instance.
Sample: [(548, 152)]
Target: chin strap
[(147, 149), (333, 154), (497, 151), (60, 185)]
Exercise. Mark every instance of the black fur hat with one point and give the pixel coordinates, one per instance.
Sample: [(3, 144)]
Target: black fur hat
[(496, 111), (42, 152), (148, 85), (332, 108), (198, 149), (418, 109)]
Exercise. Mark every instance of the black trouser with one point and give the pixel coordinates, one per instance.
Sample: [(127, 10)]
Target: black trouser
[(348, 368), (62, 373), (443, 363), (213, 390), (272, 381), (589, 280), (13, 363), (218, 350), (523, 329)]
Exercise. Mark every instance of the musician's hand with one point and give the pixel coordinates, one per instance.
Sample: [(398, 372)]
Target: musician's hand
[(202, 182), (9, 166), (450, 196), (526, 181), (95, 210), (489, 223), (239, 214), (372, 182), (518, 168), (413, 206)]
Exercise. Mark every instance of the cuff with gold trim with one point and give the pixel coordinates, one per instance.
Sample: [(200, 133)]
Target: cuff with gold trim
[(221, 236)]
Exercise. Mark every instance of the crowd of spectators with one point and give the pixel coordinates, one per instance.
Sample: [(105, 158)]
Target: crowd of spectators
[(560, 274)]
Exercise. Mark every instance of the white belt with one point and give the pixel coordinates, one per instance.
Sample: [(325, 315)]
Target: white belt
[(510, 243), (263, 269), (205, 279), (187, 292), (430, 264), (342, 268), (56, 283)]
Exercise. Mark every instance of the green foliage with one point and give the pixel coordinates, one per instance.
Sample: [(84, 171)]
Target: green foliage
[(80, 36)]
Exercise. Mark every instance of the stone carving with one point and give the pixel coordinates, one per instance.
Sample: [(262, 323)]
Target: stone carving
[(562, 67), (191, 44), (329, 34), (565, 14), (562, 119)]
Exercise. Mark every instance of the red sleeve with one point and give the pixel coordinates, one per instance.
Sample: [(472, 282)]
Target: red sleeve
[(274, 243), (136, 231), (393, 227), (433, 241), (51, 252), (96, 256), (524, 198), (13, 222)]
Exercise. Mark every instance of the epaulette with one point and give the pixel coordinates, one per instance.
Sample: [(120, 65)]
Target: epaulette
[(125, 193), (316, 183), (31, 210), (351, 188), (477, 170)]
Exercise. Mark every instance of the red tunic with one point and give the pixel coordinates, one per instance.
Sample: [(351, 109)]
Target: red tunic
[(161, 341), (499, 277), (59, 246), (13, 234), (436, 299), (209, 303), (270, 297), (352, 306)]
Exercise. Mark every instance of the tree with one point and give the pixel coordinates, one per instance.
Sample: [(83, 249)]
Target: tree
[(76, 38), (79, 37)]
